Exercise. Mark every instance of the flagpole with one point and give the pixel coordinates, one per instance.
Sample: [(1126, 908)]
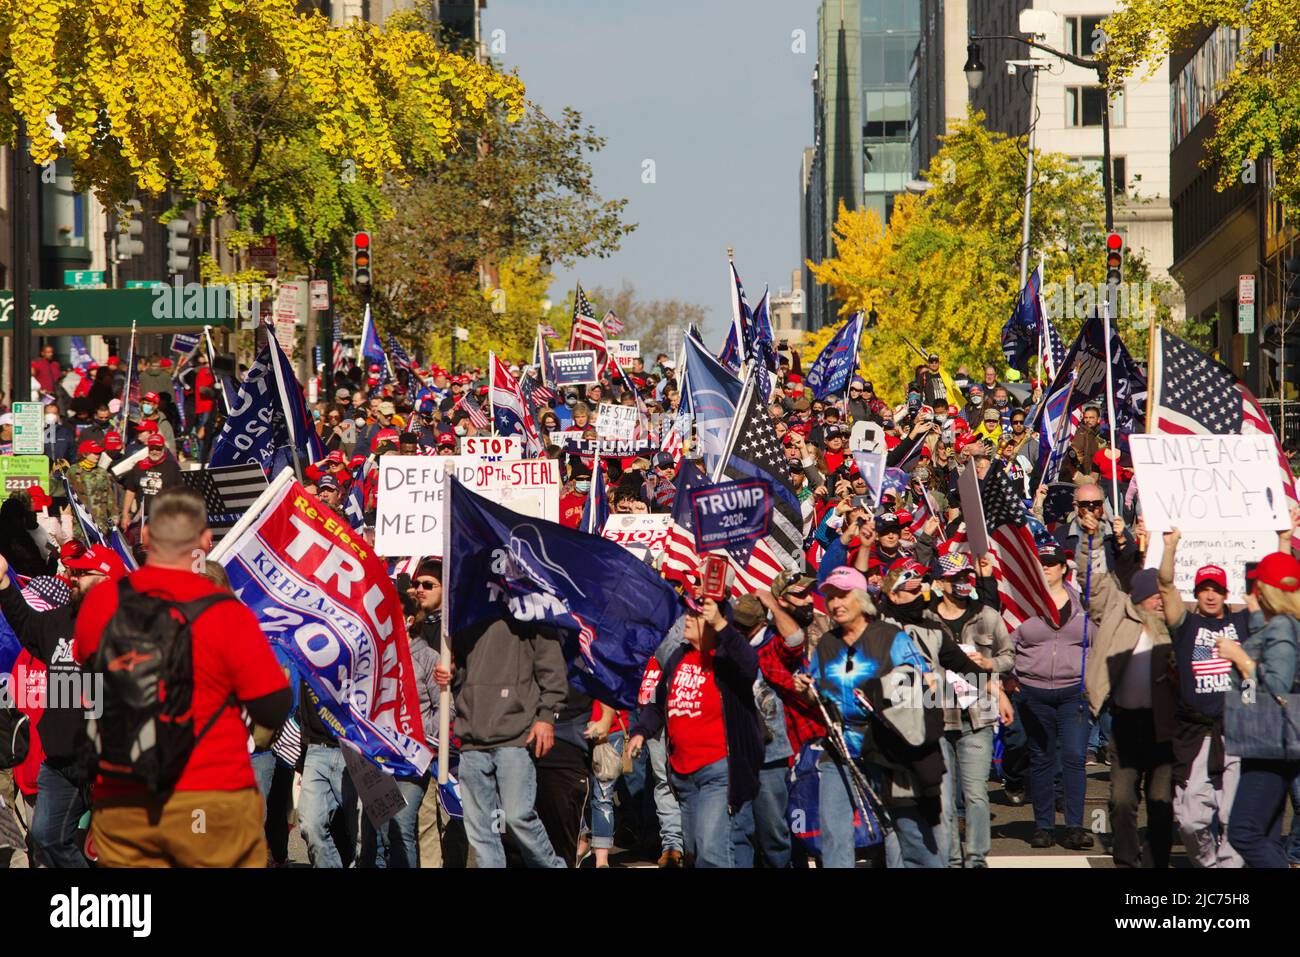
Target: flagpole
[(1110, 410), (126, 389), (1042, 324), (734, 431), (444, 648), (492, 379), (591, 495), (1153, 333)]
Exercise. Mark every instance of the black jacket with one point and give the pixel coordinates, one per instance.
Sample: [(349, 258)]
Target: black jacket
[(48, 636), (735, 666)]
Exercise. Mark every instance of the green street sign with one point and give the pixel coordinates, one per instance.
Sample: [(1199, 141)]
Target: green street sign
[(84, 278), (143, 284), (29, 418), (23, 471)]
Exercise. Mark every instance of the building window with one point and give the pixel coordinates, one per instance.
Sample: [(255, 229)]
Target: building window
[(1083, 35), (1083, 106), (1118, 171)]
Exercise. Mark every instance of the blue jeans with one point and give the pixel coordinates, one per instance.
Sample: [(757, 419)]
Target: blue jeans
[(264, 770), (742, 837), (771, 829), (498, 789), (967, 756), (917, 837), (667, 809), (326, 790), (912, 841), (1015, 748), (602, 804), (1255, 821), (60, 803), (397, 843), (1055, 720), (1293, 839), (706, 818), (1099, 732)]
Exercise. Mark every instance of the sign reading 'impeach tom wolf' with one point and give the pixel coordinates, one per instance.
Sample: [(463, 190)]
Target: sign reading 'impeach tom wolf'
[(732, 516), (1209, 482)]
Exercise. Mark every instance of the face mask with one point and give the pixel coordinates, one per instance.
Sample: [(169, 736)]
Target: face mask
[(571, 401), (147, 408), (582, 487), (460, 430), (961, 383), (51, 419), (941, 418), (802, 614), (1000, 403), (873, 589), (87, 464), (963, 589)]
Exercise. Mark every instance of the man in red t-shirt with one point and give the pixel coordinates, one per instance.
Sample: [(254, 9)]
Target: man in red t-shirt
[(214, 816)]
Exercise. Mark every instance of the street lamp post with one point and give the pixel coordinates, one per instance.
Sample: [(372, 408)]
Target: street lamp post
[(975, 70)]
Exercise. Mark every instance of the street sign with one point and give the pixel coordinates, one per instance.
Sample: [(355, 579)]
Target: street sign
[(262, 256), (29, 417), (320, 294), (144, 284), (84, 278), (18, 472), (1245, 304)]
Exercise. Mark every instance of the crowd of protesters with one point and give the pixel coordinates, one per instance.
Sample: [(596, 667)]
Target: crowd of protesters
[(747, 701)]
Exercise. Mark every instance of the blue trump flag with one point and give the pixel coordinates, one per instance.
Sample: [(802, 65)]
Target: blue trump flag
[(1021, 333), (834, 367), (269, 413), (595, 510), (711, 395), (611, 610)]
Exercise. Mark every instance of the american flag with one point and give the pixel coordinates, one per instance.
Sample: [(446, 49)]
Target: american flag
[(756, 452), (1205, 657), (548, 331), (612, 323), (44, 592), (338, 359), (399, 355), (1194, 395), (673, 446), (538, 395), (228, 491), (587, 332), (1023, 587), (476, 414)]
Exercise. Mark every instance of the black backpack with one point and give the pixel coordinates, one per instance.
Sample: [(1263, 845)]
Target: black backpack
[(15, 737), (145, 732)]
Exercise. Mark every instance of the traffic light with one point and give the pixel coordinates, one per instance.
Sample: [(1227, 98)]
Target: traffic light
[(1114, 258), (1291, 282), (178, 245), (130, 241), (361, 264)]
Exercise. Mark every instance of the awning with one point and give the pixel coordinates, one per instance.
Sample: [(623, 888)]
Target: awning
[(176, 308)]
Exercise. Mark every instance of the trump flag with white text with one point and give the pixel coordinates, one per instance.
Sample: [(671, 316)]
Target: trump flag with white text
[(322, 595)]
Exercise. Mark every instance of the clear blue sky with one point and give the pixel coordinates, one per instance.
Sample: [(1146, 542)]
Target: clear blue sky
[(711, 91)]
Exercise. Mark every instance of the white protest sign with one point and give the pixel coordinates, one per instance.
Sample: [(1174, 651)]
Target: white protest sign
[(624, 351), (409, 517), (871, 466), (638, 532), (867, 437), (380, 796), (491, 448), (1209, 482), (1229, 550), (616, 421)]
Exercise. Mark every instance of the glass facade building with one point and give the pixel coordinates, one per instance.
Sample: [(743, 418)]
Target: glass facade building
[(888, 34)]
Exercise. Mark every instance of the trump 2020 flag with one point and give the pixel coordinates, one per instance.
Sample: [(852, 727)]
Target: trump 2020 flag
[(834, 367), (1022, 331), (324, 597), (612, 610), (268, 414)]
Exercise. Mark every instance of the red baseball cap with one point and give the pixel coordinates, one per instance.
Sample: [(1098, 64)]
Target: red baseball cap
[(98, 558), (89, 447), (382, 436), (336, 458), (113, 440), (446, 438), (1212, 574), (71, 549), (39, 497), (148, 425), (155, 440), (356, 460), (1279, 570), (151, 397)]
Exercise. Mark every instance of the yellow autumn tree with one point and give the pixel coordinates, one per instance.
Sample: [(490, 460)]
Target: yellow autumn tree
[(943, 275), (133, 94)]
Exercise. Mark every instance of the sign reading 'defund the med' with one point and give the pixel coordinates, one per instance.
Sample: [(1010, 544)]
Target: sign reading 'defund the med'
[(1209, 482)]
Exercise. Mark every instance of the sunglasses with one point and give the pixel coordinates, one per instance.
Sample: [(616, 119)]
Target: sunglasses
[(1090, 506), (427, 584)]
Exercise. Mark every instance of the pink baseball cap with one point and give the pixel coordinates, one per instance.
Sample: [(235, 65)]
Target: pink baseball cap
[(844, 578)]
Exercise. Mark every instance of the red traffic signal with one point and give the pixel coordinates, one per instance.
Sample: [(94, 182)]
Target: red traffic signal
[(361, 262), (361, 241), (1115, 241), (1114, 257)]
